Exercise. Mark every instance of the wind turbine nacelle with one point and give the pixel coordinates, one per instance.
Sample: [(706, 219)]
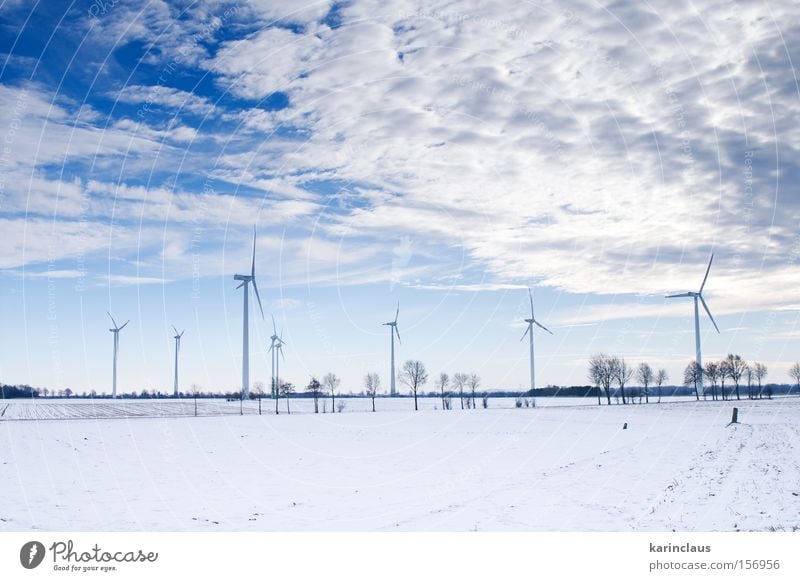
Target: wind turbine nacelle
[(242, 277)]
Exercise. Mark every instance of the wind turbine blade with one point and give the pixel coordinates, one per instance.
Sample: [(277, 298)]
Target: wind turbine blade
[(125, 325), (527, 330), (282, 355), (678, 296), (112, 319), (182, 332), (253, 265), (396, 330), (705, 306), (543, 327), (530, 296), (705, 278), (397, 314), (255, 288), (240, 285), (274, 331), (174, 329)]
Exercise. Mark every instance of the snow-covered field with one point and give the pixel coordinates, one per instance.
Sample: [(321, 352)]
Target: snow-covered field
[(44, 409), (553, 468)]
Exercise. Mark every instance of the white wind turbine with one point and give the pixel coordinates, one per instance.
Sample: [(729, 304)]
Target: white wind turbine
[(529, 331), (273, 353), (394, 330), (277, 348), (246, 280), (116, 331), (177, 350), (696, 296)]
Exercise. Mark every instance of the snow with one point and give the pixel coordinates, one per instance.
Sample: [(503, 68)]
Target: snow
[(678, 466), (43, 409)]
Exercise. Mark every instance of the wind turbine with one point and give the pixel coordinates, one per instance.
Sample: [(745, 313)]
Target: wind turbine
[(393, 330), (273, 352), (279, 343), (177, 350), (529, 331), (696, 296), (116, 331), (246, 280)]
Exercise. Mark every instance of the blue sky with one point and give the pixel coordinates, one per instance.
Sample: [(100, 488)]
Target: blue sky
[(445, 155)]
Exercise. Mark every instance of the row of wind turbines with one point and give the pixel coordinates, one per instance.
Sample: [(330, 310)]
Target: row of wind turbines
[(698, 300), (277, 342)]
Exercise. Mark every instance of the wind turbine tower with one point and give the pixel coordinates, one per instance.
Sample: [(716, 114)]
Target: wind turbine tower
[(698, 297), (529, 331), (274, 352), (394, 330), (177, 350), (246, 279), (116, 331), (279, 343)]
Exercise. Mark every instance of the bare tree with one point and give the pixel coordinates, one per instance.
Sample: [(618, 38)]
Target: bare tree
[(712, 373), (474, 381), (459, 381), (794, 373), (724, 373), (691, 377), (761, 374), (444, 379), (414, 376), (623, 373), (371, 384), (749, 375), (286, 390), (331, 382), (645, 376), (736, 367), (258, 391), (602, 371), (258, 388), (661, 377), (314, 387), (195, 389)]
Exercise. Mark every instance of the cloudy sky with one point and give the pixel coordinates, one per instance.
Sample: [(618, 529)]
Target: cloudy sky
[(445, 155)]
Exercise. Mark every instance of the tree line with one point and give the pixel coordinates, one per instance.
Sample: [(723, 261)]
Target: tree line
[(612, 375)]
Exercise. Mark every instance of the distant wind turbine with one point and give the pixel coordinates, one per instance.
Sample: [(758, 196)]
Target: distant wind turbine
[(246, 280), (177, 350), (116, 331), (696, 296), (273, 353), (529, 331), (394, 330), (278, 349)]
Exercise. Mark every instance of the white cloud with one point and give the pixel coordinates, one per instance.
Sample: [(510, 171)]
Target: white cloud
[(591, 149)]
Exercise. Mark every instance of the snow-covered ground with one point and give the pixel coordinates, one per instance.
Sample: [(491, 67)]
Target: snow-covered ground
[(50, 408), (553, 468)]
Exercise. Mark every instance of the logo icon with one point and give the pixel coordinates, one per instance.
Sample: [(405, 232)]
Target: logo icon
[(31, 554)]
